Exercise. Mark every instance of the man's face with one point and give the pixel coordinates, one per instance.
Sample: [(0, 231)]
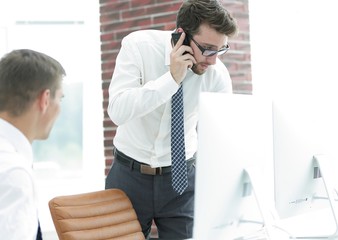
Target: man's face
[(207, 38), (52, 113)]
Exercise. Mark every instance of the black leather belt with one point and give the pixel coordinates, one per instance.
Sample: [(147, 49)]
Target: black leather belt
[(144, 168)]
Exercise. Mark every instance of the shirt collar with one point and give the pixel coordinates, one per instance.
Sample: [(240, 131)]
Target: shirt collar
[(17, 140)]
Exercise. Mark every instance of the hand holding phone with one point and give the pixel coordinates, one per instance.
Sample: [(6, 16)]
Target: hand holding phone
[(180, 61)]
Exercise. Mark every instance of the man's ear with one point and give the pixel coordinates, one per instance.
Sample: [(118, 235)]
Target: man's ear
[(44, 100)]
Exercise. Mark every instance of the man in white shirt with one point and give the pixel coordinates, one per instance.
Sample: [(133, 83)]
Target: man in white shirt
[(149, 71), (30, 95)]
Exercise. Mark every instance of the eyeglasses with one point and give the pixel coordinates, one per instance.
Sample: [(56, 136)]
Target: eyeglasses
[(209, 52)]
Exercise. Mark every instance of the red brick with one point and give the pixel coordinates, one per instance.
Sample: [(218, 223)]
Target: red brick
[(164, 18), (114, 6)]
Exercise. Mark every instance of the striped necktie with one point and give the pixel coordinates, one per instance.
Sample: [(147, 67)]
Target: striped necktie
[(178, 165)]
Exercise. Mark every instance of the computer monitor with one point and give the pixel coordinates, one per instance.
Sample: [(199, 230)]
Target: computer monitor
[(234, 137), (305, 151)]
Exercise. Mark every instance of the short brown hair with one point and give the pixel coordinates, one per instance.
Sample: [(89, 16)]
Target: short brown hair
[(24, 74), (193, 13)]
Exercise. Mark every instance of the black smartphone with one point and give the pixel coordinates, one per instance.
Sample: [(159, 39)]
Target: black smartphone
[(176, 35)]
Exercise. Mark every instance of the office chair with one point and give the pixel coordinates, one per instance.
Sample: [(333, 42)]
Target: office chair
[(106, 214)]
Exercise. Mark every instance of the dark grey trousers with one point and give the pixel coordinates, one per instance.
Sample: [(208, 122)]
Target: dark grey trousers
[(154, 199)]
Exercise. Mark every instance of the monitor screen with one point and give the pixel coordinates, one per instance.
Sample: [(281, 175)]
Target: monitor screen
[(234, 134), (305, 128)]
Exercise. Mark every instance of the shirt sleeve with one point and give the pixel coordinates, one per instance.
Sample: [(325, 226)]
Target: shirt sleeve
[(130, 95), (18, 212)]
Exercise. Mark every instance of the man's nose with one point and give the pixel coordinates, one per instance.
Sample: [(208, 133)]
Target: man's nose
[(211, 60)]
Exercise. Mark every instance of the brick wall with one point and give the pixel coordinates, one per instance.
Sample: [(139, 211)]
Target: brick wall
[(120, 17)]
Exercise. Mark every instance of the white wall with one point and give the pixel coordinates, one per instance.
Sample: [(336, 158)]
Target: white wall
[(294, 47), (76, 44)]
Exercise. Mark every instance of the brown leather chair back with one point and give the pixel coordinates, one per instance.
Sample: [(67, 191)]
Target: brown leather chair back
[(106, 214)]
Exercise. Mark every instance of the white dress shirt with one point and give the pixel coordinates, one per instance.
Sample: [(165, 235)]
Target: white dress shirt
[(140, 97), (18, 206)]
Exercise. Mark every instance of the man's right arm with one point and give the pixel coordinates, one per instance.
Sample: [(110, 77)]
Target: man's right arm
[(130, 95)]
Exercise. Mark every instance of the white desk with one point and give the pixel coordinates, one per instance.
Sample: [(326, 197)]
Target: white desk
[(318, 223)]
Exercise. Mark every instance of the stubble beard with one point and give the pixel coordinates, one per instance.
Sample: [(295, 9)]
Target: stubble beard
[(196, 70)]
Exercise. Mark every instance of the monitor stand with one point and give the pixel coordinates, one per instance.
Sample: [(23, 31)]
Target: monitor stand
[(327, 175), (254, 175), (255, 188), (303, 226)]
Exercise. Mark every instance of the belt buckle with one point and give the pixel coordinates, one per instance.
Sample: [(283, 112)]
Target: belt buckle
[(145, 169)]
